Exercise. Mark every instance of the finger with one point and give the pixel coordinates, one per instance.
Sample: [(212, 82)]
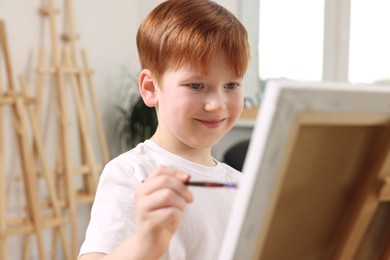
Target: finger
[(166, 178), (164, 216), (165, 182), (163, 198), (165, 170)]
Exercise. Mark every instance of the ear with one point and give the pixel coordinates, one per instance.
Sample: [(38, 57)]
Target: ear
[(147, 88)]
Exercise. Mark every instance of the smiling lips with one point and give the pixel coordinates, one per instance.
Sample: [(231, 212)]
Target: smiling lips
[(211, 123)]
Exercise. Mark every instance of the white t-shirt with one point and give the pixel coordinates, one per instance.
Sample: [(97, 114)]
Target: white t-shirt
[(113, 213)]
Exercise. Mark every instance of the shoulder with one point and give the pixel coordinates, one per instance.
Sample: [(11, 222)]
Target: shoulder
[(135, 164), (231, 173), (230, 169)]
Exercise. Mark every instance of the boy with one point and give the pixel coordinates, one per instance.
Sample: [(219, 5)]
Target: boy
[(193, 54)]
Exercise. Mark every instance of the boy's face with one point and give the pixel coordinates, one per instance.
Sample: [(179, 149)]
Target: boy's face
[(197, 109)]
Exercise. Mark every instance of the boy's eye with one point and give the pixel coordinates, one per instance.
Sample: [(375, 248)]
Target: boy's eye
[(231, 85), (195, 85)]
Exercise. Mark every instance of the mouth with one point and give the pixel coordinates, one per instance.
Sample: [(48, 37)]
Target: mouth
[(211, 123)]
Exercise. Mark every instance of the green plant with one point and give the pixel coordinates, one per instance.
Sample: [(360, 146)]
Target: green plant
[(137, 122)]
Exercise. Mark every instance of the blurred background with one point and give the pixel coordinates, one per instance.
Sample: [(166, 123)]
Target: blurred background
[(309, 40)]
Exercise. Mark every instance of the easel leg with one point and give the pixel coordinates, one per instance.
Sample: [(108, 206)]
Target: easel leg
[(23, 143), (38, 147), (99, 125), (54, 247), (67, 168), (28, 176), (386, 252), (85, 141), (26, 246), (365, 208), (3, 201)]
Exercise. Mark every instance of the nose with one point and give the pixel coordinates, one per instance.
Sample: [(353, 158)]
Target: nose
[(214, 100)]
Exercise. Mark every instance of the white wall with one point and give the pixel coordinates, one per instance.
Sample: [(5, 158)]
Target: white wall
[(107, 31)]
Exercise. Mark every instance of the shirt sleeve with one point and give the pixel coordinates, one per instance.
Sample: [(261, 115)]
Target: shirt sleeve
[(113, 211)]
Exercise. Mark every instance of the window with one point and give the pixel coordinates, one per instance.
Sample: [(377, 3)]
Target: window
[(337, 40), (291, 39), (330, 40), (369, 52)]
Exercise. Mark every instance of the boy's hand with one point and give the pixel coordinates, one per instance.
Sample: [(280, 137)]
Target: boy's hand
[(160, 203)]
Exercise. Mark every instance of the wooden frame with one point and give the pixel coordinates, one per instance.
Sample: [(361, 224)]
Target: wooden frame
[(75, 94), (29, 144), (316, 177)]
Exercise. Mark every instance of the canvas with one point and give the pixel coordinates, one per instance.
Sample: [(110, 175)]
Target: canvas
[(316, 177)]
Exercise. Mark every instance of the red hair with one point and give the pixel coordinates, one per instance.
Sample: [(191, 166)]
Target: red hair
[(190, 32)]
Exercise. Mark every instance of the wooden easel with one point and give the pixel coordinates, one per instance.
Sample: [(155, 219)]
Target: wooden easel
[(376, 190), (35, 221), (69, 78)]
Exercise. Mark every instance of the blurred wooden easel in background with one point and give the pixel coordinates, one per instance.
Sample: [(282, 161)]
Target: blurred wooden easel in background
[(35, 218), (73, 87), (71, 176)]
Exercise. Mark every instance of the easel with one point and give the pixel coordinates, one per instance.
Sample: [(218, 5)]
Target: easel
[(34, 221), (376, 190), (317, 176), (68, 76), (370, 178)]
